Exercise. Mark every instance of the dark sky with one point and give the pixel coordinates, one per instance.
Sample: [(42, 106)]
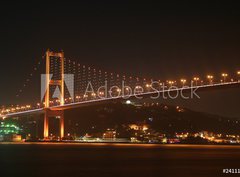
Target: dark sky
[(165, 41)]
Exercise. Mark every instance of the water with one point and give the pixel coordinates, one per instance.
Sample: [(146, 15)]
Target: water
[(113, 160)]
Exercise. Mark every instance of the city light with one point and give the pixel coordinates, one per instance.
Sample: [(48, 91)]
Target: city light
[(128, 102)]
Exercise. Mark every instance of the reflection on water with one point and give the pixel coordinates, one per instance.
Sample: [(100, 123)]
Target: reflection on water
[(103, 159)]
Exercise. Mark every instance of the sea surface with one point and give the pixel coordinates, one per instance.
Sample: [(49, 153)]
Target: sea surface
[(113, 160)]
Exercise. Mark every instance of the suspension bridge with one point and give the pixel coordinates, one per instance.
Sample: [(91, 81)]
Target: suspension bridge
[(67, 84)]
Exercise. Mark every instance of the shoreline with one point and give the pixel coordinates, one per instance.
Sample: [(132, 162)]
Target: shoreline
[(110, 144)]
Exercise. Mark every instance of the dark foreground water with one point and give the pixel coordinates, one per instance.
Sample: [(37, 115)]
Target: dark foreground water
[(83, 160)]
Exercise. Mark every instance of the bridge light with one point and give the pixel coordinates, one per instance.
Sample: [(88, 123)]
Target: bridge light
[(38, 105), (196, 79), (210, 78), (127, 88), (224, 75), (183, 81), (101, 93), (148, 85), (78, 97), (170, 83), (238, 73)]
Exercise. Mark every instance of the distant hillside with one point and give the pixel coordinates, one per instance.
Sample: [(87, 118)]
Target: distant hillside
[(161, 118)]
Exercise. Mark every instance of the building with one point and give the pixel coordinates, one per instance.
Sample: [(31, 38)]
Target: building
[(9, 132), (109, 134), (139, 127)]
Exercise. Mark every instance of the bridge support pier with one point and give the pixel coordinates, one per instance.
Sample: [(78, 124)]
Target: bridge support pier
[(46, 127), (53, 113)]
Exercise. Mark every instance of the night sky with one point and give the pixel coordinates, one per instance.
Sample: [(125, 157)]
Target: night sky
[(163, 41)]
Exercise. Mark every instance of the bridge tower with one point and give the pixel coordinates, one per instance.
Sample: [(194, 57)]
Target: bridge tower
[(48, 112)]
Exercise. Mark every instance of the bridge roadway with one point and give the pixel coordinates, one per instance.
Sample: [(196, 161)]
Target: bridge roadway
[(184, 90)]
